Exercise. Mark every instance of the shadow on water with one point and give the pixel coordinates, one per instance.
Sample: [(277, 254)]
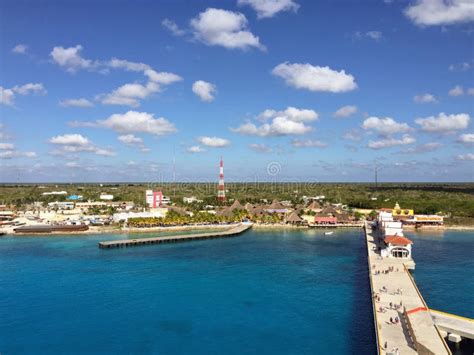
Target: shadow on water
[(362, 337)]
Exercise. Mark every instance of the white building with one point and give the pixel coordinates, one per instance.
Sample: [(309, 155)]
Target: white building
[(397, 247), (191, 199), (124, 216), (54, 193), (106, 197), (61, 205)]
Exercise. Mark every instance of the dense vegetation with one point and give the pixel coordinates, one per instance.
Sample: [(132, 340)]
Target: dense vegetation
[(455, 199)]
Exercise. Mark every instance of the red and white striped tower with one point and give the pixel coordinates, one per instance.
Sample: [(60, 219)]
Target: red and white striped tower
[(221, 189)]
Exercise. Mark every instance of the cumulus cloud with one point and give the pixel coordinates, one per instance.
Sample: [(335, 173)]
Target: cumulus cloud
[(195, 149), (314, 78), (466, 157), (214, 142), (260, 148), (391, 142), (77, 143), (10, 154), (6, 146), (116, 63), (7, 96), (204, 90), (130, 139), (70, 59), (217, 27), (134, 122), (269, 8), (456, 91), (84, 103), (308, 143), (444, 123), (290, 121), (162, 78), (425, 98), (440, 12), (20, 49), (172, 27), (385, 126), (129, 94), (466, 139), (345, 111)]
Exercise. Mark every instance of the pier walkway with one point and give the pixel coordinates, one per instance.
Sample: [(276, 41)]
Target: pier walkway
[(240, 228), (453, 324), (395, 295)]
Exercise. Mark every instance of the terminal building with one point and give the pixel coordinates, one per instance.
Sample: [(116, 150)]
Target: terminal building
[(396, 245), (155, 199)]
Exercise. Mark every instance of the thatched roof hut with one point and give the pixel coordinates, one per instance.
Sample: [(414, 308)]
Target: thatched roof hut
[(236, 206), (294, 218)]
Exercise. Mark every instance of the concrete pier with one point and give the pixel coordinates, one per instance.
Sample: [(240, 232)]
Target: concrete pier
[(240, 228), (453, 324), (415, 332)]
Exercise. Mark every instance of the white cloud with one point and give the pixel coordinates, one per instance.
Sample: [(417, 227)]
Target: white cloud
[(440, 12), (308, 143), (7, 96), (314, 78), (10, 154), (70, 139), (467, 139), (260, 148), (391, 142), (385, 126), (195, 149), (214, 142), (290, 121), (6, 146), (290, 113), (466, 157), (134, 122), (127, 65), (456, 91), (172, 27), (20, 49), (76, 143), (163, 78), (216, 27), (269, 8), (130, 139), (84, 103), (70, 59), (204, 90), (345, 111), (444, 123), (425, 98), (129, 94)]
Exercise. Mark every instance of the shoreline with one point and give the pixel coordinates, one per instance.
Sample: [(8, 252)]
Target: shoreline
[(257, 226)]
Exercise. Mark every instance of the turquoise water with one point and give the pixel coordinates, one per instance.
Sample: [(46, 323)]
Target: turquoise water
[(259, 293), (264, 292)]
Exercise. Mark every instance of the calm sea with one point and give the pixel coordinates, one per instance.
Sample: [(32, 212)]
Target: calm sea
[(264, 292)]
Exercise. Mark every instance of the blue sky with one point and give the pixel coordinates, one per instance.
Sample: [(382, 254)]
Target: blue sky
[(319, 90)]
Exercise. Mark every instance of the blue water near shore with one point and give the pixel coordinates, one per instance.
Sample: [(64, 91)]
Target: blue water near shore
[(269, 292), (264, 292)]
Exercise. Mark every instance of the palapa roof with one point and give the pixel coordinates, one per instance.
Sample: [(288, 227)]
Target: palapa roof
[(248, 206), (314, 206), (225, 212), (328, 210), (294, 218), (236, 206), (276, 205)]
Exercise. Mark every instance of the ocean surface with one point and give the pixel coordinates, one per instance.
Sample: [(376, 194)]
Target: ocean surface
[(264, 292)]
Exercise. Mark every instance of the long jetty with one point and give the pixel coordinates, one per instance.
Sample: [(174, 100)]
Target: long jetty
[(240, 228), (395, 295)]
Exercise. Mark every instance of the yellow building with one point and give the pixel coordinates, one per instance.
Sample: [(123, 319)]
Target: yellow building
[(399, 212)]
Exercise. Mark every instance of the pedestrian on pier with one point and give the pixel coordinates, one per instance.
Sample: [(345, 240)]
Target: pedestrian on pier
[(385, 345)]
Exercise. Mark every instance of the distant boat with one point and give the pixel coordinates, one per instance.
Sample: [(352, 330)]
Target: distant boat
[(328, 233)]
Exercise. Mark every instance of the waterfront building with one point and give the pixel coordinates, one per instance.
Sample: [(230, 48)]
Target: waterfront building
[(399, 213), (124, 216), (84, 206), (155, 199), (396, 247), (314, 207), (276, 207), (236, 206), (293, 218), (423, 220), (322, 220)]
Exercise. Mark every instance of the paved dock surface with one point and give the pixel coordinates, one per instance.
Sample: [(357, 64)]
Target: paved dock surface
[(415, 332), (452, 323), (240, 228)]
